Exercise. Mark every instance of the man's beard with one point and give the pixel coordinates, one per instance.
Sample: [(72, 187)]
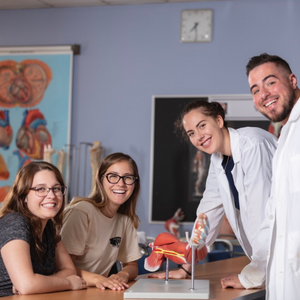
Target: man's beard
[(286, 109)]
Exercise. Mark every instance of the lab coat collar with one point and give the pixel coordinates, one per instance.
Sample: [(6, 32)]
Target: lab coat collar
[(295, 113), (235, 145), (217, 157), (294, 116)]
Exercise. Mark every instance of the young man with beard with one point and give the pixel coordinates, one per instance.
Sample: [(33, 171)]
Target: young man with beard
[(275, 94)]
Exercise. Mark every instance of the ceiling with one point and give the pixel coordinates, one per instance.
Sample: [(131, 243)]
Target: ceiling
[(31, 4)]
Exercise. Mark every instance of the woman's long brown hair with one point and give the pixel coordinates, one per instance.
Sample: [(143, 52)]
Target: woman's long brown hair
[(15, 201)]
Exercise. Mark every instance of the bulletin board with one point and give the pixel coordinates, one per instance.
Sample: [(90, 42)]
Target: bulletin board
[(178, 170), (35, 106)]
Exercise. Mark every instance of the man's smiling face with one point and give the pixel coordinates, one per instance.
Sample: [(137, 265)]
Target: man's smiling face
[(273, 91)]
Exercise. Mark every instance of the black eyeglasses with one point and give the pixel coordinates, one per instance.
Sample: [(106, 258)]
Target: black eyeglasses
[(43, 190), (127, 179)]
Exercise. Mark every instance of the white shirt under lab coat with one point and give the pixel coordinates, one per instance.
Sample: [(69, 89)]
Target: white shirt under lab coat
[(252, 152), (282, 223)]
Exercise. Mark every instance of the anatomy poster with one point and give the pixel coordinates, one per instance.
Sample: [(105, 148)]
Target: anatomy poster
[(35, 105)]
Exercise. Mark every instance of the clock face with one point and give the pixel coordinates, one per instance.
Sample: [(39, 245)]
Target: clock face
[(196, 25)]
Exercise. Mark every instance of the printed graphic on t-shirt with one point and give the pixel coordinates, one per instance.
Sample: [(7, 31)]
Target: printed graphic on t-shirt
[(115, 241)]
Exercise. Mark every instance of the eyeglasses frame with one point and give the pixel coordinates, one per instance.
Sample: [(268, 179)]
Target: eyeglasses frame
[(48, 190), (121, 177)]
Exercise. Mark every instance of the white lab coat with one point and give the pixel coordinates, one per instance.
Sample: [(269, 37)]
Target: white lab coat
[(252, 151), (282, 222)]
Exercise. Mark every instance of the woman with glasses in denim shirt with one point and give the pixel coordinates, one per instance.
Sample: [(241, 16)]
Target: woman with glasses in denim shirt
[(33, 259), (101, 229)]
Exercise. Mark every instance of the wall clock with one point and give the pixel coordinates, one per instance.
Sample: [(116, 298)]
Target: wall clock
[(196, 25)]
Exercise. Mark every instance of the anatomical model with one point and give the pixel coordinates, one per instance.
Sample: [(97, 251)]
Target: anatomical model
[(199, 168), (61, 160), (172, 224), (168, 246), (49, 151), (95, 158)]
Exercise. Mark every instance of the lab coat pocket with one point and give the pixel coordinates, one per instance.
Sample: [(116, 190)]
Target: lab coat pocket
[(294, 174), (294, 252)]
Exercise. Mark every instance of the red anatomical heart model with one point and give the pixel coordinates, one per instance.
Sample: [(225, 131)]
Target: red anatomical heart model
[(23, 83)]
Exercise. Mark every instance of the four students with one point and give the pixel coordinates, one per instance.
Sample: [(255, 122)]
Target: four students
[(101, 229)]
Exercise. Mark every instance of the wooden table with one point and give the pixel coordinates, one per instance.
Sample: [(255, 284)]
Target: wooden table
[(213, 271)]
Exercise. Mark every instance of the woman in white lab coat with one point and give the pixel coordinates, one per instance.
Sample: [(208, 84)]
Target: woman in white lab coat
[(248, 151)]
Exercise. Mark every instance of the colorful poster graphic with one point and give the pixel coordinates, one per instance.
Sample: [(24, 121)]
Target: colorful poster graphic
[(35, 105)]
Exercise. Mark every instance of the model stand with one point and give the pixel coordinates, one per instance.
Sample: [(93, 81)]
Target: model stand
[(170, 289)]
